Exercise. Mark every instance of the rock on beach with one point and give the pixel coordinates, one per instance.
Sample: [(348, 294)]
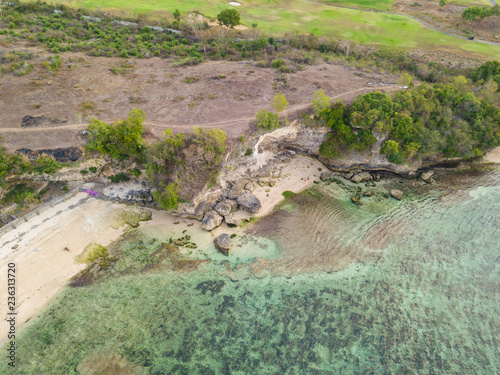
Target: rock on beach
[(223, 243)]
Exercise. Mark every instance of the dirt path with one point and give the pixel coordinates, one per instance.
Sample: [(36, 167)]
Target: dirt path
[(68, 134)]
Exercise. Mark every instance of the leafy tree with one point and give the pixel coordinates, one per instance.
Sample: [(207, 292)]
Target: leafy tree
[(442, 3), (279, 103), (162, 154), (177, 15), (320, 102), (213, 144), (229, 18), (121, 139), (392, 151), (405, 80), (267, 120)]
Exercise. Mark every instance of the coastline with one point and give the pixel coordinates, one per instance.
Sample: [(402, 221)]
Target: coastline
[(43, 274), (43, 268)]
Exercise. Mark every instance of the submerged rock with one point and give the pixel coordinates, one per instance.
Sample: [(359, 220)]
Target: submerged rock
[(249, 202), (397, 194), (360, 177), (223, 243), (211, 220), (427, 176), (356, 200)]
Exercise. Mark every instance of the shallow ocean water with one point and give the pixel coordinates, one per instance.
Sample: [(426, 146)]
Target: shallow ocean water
[(392, 287)]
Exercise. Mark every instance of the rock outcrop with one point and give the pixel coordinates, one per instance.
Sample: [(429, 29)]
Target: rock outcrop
[(223, 243), (211, 220), (397, 194), (249, 202), (361, 177), (427, 176)]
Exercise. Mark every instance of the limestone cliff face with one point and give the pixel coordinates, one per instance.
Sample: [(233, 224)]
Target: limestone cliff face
[(306, 140)]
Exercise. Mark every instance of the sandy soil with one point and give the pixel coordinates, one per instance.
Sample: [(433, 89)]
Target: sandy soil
[(41, 274), (213, 94), (493, 156)]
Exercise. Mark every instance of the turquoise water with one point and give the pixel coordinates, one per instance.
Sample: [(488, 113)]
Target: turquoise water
[(392, 287)]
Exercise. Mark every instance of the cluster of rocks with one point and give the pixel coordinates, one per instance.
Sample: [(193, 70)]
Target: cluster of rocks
[(358, 176), (218, 207)]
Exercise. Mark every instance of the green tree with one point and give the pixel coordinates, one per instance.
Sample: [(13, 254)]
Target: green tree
[(121, 139), (279, 103), (320, 102), (442, 3), (392, 151), (405, 80), (229, 18), (177, 14), (267, 120)]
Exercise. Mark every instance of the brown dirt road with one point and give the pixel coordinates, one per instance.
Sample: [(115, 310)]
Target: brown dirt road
[(219, 94)]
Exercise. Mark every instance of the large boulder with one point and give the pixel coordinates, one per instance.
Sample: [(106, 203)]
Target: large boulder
[(249, 202), (427, 176), (397, 194), (211, 220), (223, 243), (236, 188), (360, 177), (223, 208)]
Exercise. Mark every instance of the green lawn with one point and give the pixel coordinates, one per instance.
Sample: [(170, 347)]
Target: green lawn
[(289, 15)]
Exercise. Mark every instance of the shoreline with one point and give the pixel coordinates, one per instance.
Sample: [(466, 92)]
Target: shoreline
[(80, 220)]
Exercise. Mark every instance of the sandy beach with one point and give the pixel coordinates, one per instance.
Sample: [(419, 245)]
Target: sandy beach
[(42, 267)]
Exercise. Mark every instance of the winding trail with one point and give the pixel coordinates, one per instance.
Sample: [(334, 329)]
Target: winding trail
[(184, 127), (408, 16)]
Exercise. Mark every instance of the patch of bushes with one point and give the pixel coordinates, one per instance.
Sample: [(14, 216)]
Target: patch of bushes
[(267, 120), (121, 139), (119, 177), (445, 119)]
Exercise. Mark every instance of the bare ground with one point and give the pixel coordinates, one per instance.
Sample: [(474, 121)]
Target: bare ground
[(213, 94)]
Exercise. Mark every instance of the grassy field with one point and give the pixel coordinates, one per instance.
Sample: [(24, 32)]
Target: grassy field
[(289, 15)]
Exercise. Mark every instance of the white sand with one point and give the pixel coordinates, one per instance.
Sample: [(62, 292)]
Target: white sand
[(42, 274), (493, 156)]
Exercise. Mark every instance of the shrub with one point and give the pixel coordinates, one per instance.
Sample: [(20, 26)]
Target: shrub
[(248, 152), (277, 63), (392, 151), (267, 120), (120, 139), (321, 102), (167, 196), (46, 164), (279, 103), (119, 177)]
